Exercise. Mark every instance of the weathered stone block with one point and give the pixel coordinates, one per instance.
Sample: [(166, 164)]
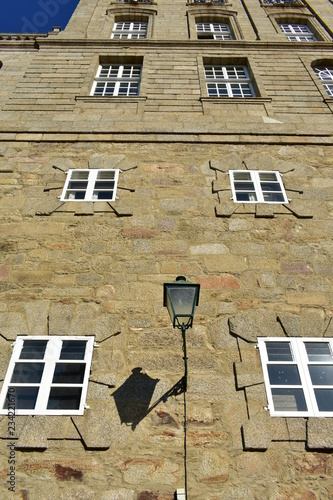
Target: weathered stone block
[(33, 435)]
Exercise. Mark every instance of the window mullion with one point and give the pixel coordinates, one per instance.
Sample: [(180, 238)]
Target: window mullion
[(91, 184), (302, 363), (51, 356), (257, 187)]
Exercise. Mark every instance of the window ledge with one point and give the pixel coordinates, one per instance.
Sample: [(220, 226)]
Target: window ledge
[(236, 100), (93, 98)]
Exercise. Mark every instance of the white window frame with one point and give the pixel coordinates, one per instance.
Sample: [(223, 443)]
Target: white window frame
[(297, 32), (50, 359), (300, 359), (91, 183), (325, 75), (121, 77), (228, 81), (257, 190), (217, 30), (129, 30)]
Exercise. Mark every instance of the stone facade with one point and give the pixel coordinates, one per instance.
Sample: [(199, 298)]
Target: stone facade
[(98, 268)]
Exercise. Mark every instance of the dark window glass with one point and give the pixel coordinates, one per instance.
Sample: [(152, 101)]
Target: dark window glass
[(289, 400), (283, 375), (318, 351), (33, 349), (324, 399), (64, 398), (22, 398), (69, 373), (279, 351), (73, 349), (321, 374), (27, 373)]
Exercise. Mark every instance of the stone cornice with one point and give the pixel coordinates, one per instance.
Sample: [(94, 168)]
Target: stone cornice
[(241, 137), (97, 44)]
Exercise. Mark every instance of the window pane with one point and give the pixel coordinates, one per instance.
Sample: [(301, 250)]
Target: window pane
[(80, 175), (289, 400), (73, 349), (268, 176), (244, 186), (283, 375), (68, 373), (246, 197), (274, 197), (33, 349), (318, 351), (242, 176), (77, 185), (270, 186), (106, 174), (27, 373), (64, 398), (102, 195), (324, 399), (279, 351), (321, 374), (24, 398)]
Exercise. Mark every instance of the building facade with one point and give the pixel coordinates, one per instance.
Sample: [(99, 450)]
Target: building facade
[(145, 141)]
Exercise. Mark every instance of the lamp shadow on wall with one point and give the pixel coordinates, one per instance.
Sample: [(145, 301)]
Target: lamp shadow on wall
[(134, 396)]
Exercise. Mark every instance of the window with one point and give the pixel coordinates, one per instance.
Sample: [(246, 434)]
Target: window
[(117, 80), (129, 29), (90, 185), (298, 375), (297, 32), (250, 186), (228, 81), (47, 376), (325, 75), (216, 31)]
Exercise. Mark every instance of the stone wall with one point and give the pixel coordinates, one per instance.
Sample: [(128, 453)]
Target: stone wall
[(98, 269)]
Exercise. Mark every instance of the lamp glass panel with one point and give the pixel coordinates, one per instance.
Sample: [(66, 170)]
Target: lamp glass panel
[(183, 301)]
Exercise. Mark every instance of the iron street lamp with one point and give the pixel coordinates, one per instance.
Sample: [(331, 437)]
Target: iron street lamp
[(180, 298)]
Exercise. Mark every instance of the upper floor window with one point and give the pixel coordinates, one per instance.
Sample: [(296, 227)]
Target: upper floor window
[(215, 31), (90, 185), (325, 75), (129, 30), (134, 1), (117, 80), (298, 374), (251, 186), (209, 2), (228, 81), (47, 376), (297, 32), (282, 3)]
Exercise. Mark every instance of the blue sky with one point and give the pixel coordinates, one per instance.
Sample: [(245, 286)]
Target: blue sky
[(34, 16)]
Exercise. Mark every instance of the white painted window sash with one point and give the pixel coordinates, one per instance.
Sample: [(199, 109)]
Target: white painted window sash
[(255, 179), (220, 31), (298, 32), (129, 29), (91, 182), (133, 79), (325, 76), (231, 76), (51, 358), (300, 358)]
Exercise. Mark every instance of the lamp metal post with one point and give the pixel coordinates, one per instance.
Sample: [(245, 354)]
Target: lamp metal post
[(180, 298)]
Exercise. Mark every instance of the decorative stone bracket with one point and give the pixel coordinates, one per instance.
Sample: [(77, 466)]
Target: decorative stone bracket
[(101, 421), (226, 207), (261, 429), (52, 204)]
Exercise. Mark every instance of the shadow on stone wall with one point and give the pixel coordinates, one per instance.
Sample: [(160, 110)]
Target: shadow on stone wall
[(134, 396)]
